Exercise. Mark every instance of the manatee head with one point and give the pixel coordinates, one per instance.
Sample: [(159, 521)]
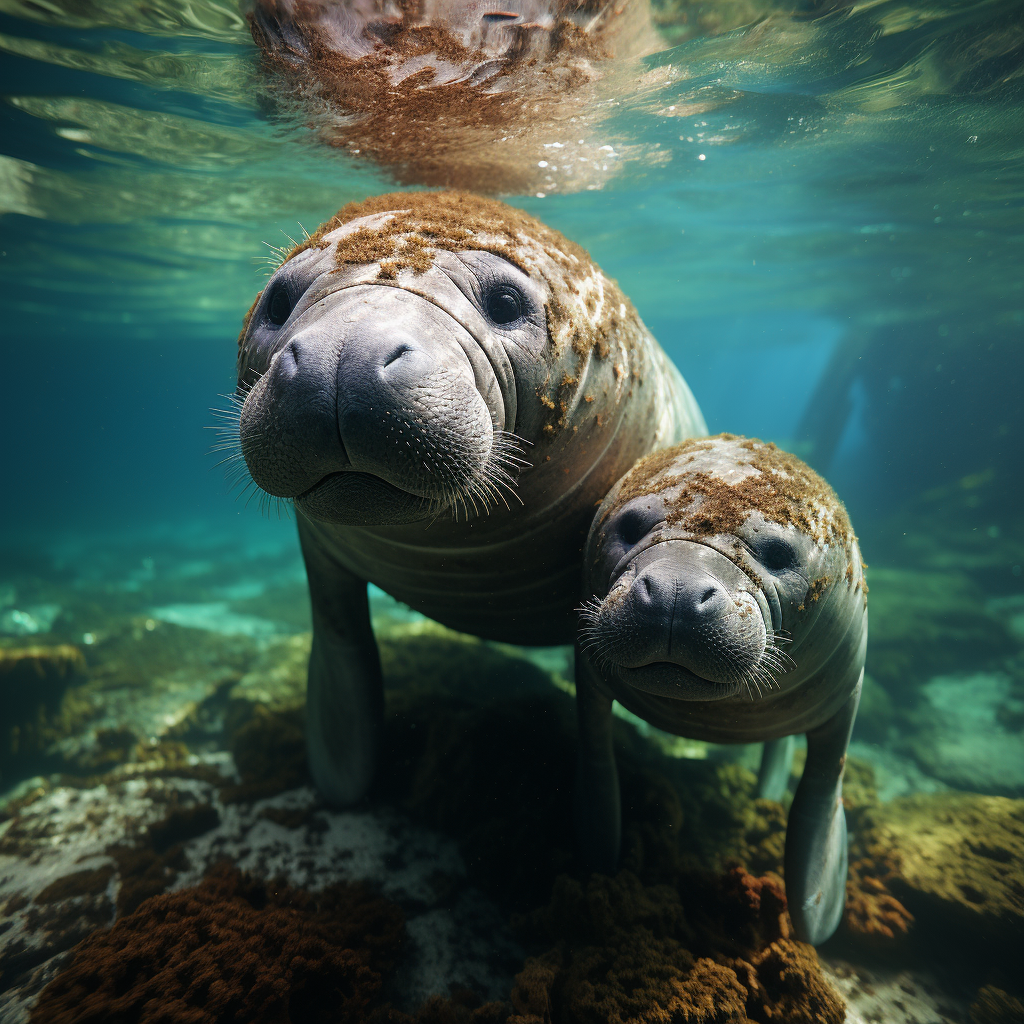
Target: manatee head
[(408, 358), (715, 567)]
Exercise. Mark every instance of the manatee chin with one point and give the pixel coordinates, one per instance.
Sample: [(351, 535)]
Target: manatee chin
[(664, 679)]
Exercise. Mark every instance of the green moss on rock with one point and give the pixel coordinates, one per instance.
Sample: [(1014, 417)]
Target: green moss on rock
[(958, 865)]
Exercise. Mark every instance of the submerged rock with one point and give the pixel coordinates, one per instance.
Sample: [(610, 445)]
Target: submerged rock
[(232, 949), (958, 865), (716, 949), (970, 735)]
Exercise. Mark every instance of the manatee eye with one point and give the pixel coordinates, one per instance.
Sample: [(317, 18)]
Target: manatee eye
[(634, 524), (279, 306), (504, 305), (776, 554)]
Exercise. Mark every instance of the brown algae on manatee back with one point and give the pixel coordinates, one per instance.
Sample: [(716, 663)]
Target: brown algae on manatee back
[(782, 487), (453, 221)]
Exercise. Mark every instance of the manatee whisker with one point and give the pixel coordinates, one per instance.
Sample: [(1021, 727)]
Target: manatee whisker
[(589, 611), (504, 484), (776, 658), (490, 491), (229, 445), (280, 254)]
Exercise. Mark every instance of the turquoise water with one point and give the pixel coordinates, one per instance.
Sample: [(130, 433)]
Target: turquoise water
[(819, 213), (861, 173)]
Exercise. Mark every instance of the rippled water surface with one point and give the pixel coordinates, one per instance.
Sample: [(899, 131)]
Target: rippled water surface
[(778, 181), (818, 209)]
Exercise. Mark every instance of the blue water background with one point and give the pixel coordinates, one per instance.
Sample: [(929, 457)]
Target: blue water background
[(837, 194)]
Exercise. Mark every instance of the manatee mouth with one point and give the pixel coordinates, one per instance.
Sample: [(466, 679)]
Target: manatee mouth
[(680, 621), (356, 498), (362, 499), (666, 679)]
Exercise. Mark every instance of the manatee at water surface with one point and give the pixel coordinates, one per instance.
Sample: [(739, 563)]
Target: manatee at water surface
[(494, 97)]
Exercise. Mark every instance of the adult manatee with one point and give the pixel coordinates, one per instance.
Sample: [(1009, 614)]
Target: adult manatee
[(446, 389)]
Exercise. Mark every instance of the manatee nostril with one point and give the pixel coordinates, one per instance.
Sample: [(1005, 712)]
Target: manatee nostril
[(699, 598), (290, 355), (397, 354)]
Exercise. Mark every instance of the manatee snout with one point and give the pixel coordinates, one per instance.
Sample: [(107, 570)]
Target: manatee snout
[(411, 414), (680, 620), (377, 384)]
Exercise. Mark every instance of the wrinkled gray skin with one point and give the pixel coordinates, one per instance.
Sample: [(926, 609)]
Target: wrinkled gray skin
[(384, 409), (681, 632), (500, 32)]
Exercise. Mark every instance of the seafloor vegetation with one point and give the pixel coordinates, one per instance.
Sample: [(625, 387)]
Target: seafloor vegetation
[(163, 857)]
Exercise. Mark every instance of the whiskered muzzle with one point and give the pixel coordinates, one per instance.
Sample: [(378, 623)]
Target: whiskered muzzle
[(668, 611)]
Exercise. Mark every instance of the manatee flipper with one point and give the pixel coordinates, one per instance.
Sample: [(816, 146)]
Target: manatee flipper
[(597, 807), (816, 855), (776, 765), (345, 690)]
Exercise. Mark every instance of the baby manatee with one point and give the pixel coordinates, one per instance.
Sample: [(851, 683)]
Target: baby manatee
[(726, 602)]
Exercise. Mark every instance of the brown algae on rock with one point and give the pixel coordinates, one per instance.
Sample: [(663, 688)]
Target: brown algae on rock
[(959, 867), (231, 949)]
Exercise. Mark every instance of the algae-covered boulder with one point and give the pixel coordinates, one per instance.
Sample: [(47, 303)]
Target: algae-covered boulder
[(712, 948), (422, 657), (959, 868), (232, 948)]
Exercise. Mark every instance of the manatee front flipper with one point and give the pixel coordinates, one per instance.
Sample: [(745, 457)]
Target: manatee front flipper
[(776, 765), (345, 691), (597, 807), (816, 833)]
